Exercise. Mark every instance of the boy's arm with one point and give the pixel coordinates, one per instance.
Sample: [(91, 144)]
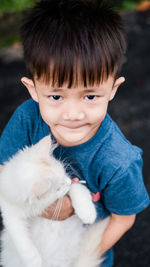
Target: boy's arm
[(118, 225)]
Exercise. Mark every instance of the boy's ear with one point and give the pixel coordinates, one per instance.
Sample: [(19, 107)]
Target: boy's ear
[(117, 83), (29, 84)]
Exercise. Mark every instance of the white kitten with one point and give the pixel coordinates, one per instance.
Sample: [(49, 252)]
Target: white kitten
[(29, 183)]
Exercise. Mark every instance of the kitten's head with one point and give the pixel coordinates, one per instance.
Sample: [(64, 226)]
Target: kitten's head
[(34, 175)]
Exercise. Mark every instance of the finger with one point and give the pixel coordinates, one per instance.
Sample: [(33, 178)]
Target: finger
[(75, 180)]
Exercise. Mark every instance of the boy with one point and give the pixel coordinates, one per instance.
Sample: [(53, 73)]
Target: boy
[(74, 50)]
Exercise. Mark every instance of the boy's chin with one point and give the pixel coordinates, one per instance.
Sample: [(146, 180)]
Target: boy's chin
[(72, 139)]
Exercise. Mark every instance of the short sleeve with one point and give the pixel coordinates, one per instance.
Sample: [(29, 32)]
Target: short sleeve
[(125, 194), (14, 136)]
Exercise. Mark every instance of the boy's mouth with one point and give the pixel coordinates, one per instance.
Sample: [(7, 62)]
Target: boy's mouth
[(73, 126)]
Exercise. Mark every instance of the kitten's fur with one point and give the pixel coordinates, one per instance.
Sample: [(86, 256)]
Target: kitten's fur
[(29, 183)]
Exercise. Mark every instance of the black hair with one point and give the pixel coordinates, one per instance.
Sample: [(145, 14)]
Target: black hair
[(66, 41)]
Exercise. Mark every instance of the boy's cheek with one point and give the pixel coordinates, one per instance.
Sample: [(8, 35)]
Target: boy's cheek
[(98, 115), (48, 114)]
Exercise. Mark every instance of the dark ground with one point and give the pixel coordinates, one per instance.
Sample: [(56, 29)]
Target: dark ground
[(130, 109)]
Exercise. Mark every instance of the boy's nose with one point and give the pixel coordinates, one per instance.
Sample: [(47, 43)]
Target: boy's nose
[(72, 112), (73, 116)]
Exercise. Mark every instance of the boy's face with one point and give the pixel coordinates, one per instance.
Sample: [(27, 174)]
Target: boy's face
[(75, 114)]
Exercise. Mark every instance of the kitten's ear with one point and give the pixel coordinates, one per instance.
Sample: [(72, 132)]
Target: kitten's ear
[(48, 145), (39, 189), (45, 146)]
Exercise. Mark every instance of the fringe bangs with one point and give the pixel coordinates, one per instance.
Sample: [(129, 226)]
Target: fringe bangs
[(82, 45)]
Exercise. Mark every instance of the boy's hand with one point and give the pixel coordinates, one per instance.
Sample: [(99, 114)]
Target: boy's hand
[(65, 211), (61, 209)]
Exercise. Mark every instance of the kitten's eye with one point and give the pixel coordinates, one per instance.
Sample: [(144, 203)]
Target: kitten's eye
[(91, 97), (58, 188), (55, 97)]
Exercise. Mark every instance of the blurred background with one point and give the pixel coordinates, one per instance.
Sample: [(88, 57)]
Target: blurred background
[(130, 108)]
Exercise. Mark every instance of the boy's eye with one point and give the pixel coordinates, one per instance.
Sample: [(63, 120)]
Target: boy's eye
[(55, 97), (90, 97)]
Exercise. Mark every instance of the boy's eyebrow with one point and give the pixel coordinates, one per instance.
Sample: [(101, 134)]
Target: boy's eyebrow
[(91, 90), (57, 90)]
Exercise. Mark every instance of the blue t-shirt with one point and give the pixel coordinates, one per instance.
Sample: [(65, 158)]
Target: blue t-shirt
[(110, 164)]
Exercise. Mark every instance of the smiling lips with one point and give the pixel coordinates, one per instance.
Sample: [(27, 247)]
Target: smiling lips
[(73, 127)]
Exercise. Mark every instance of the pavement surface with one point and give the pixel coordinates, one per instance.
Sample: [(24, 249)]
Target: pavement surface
[(130, 109)]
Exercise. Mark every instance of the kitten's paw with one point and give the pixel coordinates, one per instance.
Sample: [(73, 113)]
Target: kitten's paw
[(82, 203), (87, 216)]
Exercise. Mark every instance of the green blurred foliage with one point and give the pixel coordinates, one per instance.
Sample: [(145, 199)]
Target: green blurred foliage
[(10, 6), (131, 5), (125, 4)]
